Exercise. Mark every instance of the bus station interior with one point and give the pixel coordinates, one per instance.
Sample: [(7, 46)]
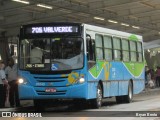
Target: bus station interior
[(93, 54), (140, 17)]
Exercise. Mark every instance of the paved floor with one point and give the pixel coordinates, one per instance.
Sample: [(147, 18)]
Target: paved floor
[(147, 101)]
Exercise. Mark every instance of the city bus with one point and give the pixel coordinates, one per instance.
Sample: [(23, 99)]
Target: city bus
[(76, 61)]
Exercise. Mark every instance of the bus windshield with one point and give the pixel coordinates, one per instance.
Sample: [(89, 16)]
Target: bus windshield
[(51, 54)]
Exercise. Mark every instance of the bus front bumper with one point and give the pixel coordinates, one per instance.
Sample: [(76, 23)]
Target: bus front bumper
[(27, 92)]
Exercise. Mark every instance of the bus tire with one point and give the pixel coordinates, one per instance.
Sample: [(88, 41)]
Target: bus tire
[(97, 103), (128, 98), (38, 105)]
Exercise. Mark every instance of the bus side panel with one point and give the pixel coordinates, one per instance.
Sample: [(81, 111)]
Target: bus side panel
[(111, 74), (123, 87), (136, 74), (116, 71), (113, 88), (120, 88), (139, 69), (129, 71), (139, 82), (116, 76), (92, 87), (139, 86), (95, 74)]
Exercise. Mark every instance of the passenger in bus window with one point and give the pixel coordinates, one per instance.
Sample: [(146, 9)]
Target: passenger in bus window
[(36, 53)]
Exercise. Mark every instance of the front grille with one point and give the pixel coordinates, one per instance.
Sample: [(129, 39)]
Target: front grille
[(39, 77), (60, 92), (56, 81), (49, 79)]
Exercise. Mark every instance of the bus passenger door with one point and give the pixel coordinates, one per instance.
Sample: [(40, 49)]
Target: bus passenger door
[(90, 52), (91, 64)]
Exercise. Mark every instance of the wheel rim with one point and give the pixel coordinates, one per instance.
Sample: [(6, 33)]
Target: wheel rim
[(99, 96), (130, 93)]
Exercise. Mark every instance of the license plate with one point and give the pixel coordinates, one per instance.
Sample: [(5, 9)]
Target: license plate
[(50, 90)]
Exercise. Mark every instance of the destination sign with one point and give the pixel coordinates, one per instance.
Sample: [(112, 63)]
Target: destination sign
[(52, 29)]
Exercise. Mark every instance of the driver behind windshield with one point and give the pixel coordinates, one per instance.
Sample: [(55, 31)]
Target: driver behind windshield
[(36, 53)]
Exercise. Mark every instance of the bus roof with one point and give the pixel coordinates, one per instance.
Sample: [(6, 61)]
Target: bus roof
[(106, 31)]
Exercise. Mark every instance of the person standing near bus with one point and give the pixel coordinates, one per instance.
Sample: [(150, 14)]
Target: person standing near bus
[(11, 73), (3, 84), (146, 75), (158, 76)]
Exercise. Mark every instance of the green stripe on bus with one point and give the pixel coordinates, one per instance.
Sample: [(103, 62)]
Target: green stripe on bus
[(135, 68), (133, 38)]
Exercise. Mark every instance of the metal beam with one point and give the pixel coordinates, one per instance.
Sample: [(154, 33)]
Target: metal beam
[(1, 29), (1, 17)]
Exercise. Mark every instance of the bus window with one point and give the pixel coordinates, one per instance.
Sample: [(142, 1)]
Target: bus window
[(108, 48), (125, 50), (139, 48), (99, 48), (117, 48), (133, 51)]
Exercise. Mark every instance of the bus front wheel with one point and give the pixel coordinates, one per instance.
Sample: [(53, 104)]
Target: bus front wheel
[(97, 103)]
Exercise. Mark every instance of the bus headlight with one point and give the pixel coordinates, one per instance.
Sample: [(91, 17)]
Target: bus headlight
[(81, 80), (21, 81)]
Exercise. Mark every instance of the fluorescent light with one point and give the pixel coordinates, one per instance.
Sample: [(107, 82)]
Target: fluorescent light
[(45, 6), (98, 18), (124, 24), (136, 27), (112, 21), (21, 1)]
